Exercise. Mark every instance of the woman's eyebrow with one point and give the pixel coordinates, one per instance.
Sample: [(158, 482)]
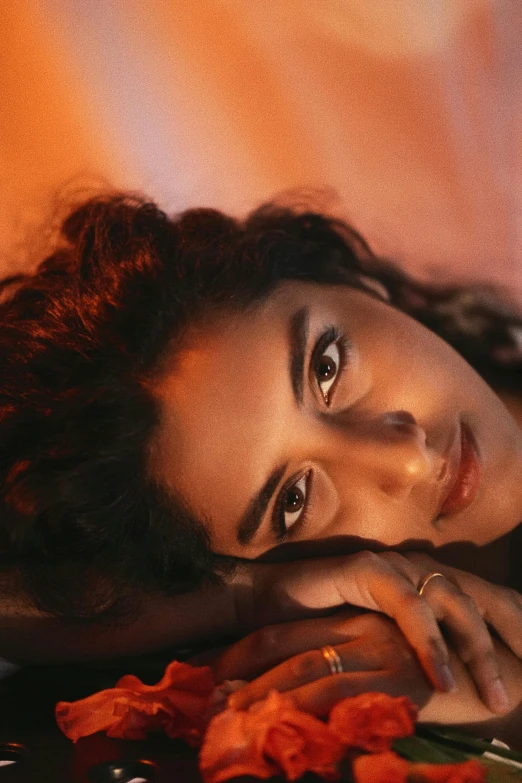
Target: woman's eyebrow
[(253, 516), (298, 340)]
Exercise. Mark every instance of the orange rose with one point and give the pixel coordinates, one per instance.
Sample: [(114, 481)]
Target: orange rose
[(270, 738), (176, 705), (229, 750), (390, 768), (371, 721), (380, 768), (467, 772)]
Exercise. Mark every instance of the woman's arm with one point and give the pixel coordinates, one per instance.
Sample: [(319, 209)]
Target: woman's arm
[(375, 657), (259, 594), (388, 582), (374, 651), (30, 637), (266, 593)]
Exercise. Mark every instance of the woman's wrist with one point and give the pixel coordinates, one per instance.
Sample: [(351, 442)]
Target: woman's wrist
[(27, 636), (250, 596), (269, 593)]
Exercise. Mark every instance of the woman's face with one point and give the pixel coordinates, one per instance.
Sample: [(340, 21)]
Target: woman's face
[(324, 412)]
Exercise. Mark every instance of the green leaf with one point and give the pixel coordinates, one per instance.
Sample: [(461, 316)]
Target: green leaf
[(443, 746), (418, 748), (467, 742)]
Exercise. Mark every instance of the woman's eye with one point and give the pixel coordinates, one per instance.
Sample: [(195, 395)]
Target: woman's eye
[(294, 503), (327, 369)]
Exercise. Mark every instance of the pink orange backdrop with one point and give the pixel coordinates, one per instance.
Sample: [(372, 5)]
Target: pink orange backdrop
[(410, 109)]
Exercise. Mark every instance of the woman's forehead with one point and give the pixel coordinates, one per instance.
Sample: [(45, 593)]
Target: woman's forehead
[(215, 332), (222, 348), (221, 406), (215, 367)]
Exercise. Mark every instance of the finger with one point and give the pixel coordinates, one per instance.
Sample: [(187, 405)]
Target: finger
[(393, 593), (319, 697), (267, 647), (471, 639), (301, 670), (463, 602), (501, 607), (465, 624), (504, 613)]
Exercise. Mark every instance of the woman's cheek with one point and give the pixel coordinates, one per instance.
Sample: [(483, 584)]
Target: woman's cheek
[(355, 383), (324, 509)]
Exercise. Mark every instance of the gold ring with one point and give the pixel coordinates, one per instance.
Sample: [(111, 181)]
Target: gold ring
[(421, 588), (333, 659)]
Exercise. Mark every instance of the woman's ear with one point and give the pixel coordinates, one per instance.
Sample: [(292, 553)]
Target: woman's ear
[(375, 286)]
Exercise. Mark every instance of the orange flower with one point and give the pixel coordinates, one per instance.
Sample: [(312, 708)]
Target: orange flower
[(380, 768), (390, 768), (229, 750), (467, 772), (371, 721), (270, 738), (176, 705)]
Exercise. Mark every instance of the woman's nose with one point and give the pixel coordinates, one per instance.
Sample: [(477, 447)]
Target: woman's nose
[(392, 449)]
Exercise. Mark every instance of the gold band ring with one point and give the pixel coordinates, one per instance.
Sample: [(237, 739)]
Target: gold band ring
[(333, 659), (421, 588)]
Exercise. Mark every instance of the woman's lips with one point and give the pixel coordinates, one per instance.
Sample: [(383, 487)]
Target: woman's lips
[(465, 481)]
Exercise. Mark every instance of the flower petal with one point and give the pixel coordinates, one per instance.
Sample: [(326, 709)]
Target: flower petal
[(371, 721)]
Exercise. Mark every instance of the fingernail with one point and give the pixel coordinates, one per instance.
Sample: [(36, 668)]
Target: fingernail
[(447, 679), (497, 696)]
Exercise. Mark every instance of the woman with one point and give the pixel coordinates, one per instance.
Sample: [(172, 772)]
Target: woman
[(180, 396)]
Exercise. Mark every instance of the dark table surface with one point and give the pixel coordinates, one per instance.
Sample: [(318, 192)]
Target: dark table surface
[(30, 737), (29, 734)]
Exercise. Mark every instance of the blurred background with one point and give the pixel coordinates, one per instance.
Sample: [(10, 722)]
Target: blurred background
[(411, 110)]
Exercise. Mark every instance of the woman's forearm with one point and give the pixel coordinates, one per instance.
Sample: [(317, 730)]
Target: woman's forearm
[(27, 636)]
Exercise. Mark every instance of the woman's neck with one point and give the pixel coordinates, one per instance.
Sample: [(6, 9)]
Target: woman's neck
[(513, 556)]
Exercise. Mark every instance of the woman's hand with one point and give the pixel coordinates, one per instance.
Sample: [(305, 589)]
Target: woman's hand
[(287, 657), (375, 656), (388, 582)]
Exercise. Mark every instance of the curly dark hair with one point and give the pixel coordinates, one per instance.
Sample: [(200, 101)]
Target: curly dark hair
[(85, 529)]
